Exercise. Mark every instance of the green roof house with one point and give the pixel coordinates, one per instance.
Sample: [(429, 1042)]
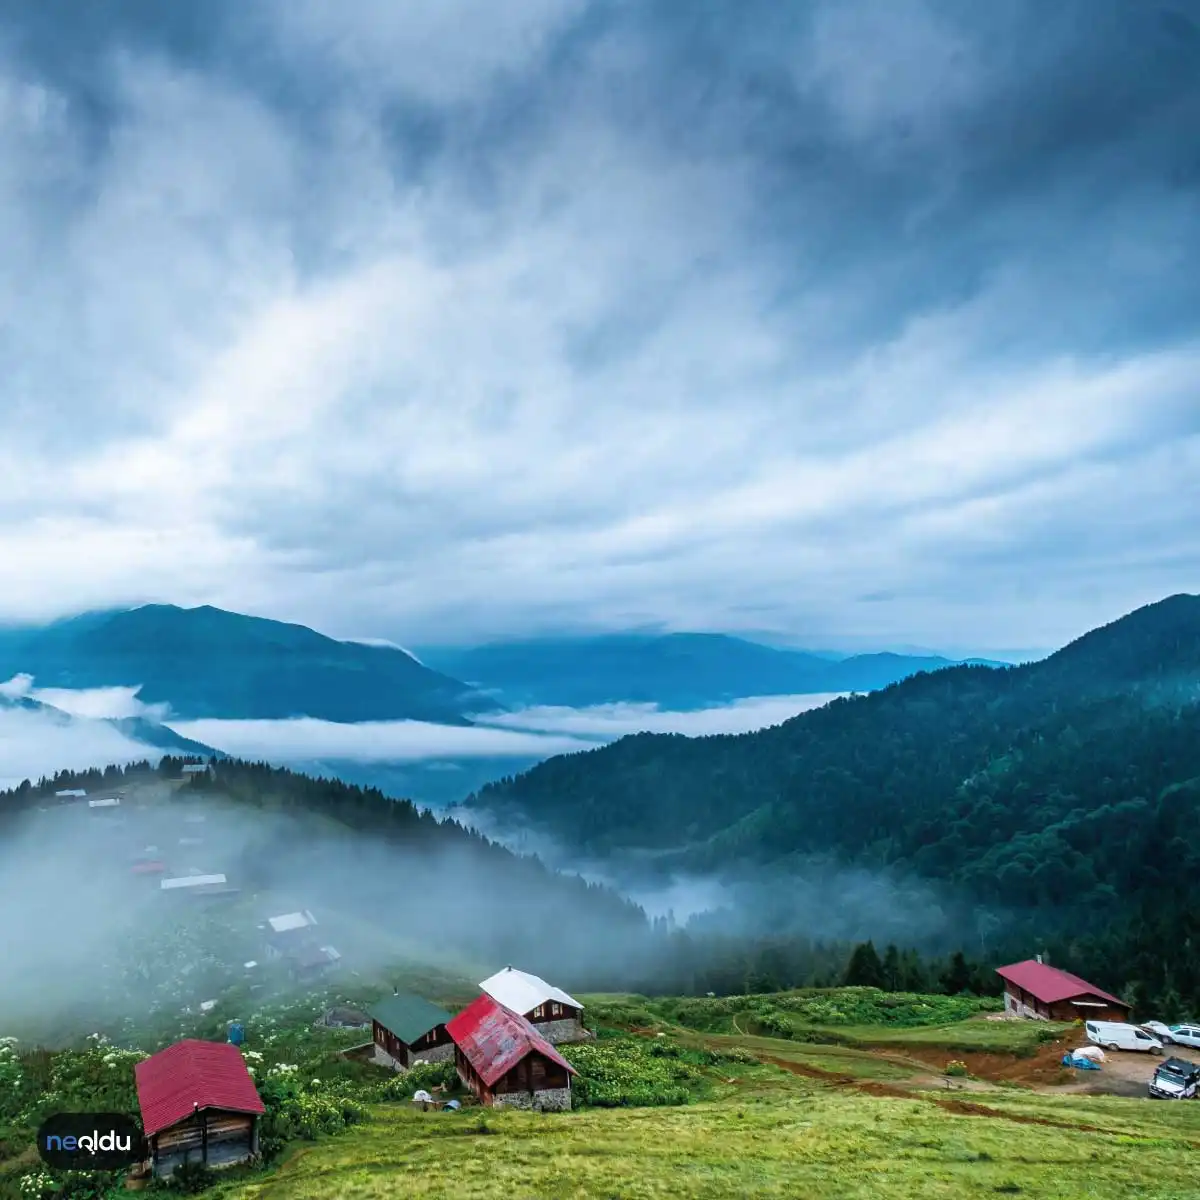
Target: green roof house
[(407, 1029)]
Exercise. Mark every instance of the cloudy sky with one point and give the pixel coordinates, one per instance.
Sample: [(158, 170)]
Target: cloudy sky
[(858, 320)]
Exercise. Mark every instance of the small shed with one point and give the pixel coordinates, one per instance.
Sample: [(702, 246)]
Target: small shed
[(198, 1104), (407, 1027), (505, 1061), (1035, 989), (557, 1016)]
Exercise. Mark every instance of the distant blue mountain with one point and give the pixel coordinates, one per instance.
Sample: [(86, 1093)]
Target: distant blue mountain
[(679, 671), (206, 662)]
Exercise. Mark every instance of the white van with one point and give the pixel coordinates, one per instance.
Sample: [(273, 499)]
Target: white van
[(1113, 1035)]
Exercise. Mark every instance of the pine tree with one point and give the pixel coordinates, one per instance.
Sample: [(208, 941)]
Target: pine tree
[(864, 968)]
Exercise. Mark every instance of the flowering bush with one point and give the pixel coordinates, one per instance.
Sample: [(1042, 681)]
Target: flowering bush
[(956, 1067)]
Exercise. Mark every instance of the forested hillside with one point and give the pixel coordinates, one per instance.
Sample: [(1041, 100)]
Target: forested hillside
[(1068, 788)]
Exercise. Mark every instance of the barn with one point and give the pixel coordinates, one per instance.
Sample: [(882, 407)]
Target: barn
[(1035, 989), (407, 1027), (198, 1104), (506, 1062), (555, 1015)]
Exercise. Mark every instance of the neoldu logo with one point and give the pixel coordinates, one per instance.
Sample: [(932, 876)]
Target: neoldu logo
[(90, 1141)]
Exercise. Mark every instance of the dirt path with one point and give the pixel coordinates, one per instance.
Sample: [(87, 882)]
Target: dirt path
[(965, 1108)]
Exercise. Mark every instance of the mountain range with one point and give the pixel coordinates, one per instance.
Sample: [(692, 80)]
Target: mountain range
[(679, 671), (209, 663)]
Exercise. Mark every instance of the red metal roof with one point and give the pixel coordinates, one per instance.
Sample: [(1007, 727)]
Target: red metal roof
[(1049, 984), (494, 1040), (192, 1074), (149, 868)]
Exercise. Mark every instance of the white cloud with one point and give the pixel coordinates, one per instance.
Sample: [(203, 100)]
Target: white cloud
[(610, 721), (307, 738), (566, 360), (530, 733), (107, 703), (33, 744), (443, 53)]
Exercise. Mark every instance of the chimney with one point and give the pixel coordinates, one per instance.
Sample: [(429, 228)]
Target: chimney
[(1039, 958)]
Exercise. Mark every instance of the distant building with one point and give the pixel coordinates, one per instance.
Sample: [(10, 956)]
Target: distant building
[(406, 1027), (196, 770), (505, 1061), (1034, 989), (71, 792), (555, 1015), (148, 867), (201, 886), (199, 1104), (192, 881), (311, 961), (107, 802), (291, 938)]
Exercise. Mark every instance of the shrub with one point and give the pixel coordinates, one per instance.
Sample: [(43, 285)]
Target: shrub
[(957, 1068), (191, 1178), (632, 1072)]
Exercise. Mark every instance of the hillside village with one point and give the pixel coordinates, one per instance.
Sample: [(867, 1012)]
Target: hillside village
[(216, 1096)]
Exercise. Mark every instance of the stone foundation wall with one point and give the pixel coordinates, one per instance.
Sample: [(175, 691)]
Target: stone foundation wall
[(563, 1032), (547, 1100), (435, 1054), (1015, 1008)]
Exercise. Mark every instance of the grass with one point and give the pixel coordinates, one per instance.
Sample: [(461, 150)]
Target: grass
[(848, 1017), (714, 1109), (812, 1142)]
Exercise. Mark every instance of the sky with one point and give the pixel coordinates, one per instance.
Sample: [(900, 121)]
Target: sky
[(862, 322)]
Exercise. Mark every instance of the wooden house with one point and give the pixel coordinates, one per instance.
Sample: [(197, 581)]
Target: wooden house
[(555, 1015), (1035, 989), (406, 1028), (198, 1104), (505, 1061)]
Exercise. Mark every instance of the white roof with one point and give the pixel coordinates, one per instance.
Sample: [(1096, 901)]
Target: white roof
[(191, 881), (521, 993), (72, 792), (194, 768), (110, 802), (296, 920)]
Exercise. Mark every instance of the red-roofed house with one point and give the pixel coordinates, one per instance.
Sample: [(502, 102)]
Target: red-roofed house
[(1034, 989), (505, 1061), (198, 1103)]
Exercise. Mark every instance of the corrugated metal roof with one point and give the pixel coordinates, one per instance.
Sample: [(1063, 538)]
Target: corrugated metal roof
[(192, 1074), (409, 1017), (495, 1039), (522, 992), (1049, 984)]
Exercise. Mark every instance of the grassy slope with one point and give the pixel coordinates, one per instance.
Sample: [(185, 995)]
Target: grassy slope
[(769, 1130), (812, 1142)]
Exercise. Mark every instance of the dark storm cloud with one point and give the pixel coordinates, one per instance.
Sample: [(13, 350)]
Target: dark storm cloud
[(461, 318)]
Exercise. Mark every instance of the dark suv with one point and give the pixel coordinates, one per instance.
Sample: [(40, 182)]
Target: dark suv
[(1176, 1079)]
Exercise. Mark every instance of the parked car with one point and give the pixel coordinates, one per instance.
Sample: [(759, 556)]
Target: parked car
[(1159, 1030), (1185, 1035), (1176, 1079), (1114, 1035)]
